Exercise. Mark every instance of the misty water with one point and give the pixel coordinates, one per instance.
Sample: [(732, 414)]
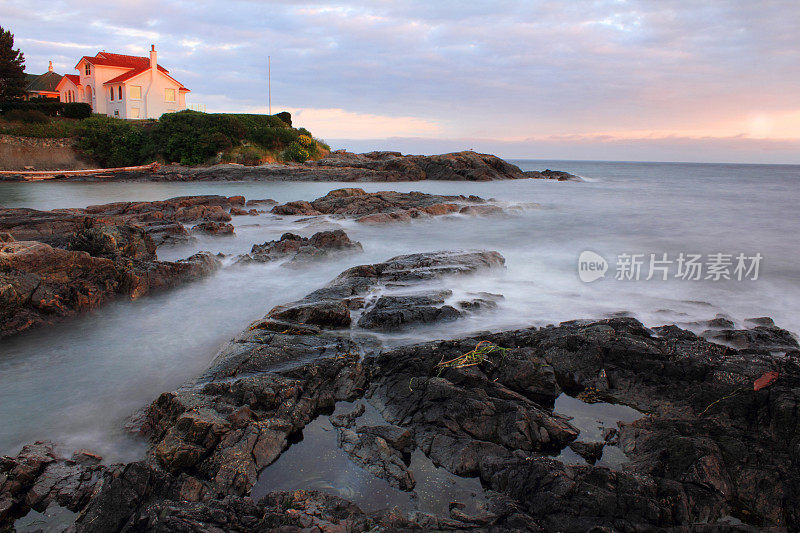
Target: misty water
[(78, 382)]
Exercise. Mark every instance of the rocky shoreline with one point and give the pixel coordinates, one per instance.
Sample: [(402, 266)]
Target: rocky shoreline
[(60, 263), (341, 166), (713, 447)]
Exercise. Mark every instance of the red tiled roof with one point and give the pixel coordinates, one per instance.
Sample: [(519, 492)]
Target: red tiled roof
[(74, 78), (135, 72), (136, 65), (108, 59), (127, 75)]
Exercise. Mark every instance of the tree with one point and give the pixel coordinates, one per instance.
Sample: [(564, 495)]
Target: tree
[(12, 68)]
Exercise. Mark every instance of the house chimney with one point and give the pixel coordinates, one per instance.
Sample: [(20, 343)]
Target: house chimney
[(153, 60), (50, 68)]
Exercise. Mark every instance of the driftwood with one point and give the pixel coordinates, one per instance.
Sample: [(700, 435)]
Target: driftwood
[(35, 175)]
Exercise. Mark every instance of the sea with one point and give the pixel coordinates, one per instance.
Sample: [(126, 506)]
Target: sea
[(665, 243)]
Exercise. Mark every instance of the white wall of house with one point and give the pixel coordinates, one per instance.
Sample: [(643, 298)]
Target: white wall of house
[(97, 76), (159, 95), (65, 87)]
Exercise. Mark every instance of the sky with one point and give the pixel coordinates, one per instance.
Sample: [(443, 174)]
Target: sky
[(647, 80)]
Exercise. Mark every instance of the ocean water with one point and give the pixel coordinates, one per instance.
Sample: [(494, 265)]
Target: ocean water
[(78, 382)]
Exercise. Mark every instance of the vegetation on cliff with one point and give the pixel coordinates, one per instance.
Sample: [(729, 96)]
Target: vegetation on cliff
[(186, 137)]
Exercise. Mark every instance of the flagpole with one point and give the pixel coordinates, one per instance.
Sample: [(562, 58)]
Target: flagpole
[(269, 83)]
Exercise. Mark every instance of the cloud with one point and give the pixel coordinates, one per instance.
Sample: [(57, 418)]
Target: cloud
[(506, 69), (342, 123)]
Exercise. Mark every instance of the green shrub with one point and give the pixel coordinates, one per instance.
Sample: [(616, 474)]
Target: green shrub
[(28, 116), (186, 137), (249, 156), (56, 129), (296, 152), (76, 110), (49, 107), (112, 142), (274, 138), (194, 138)]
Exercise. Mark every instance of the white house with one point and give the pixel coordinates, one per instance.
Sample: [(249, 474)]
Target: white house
[(124, 86)]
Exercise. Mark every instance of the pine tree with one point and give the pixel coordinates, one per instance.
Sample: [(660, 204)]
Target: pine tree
[(12, 68)]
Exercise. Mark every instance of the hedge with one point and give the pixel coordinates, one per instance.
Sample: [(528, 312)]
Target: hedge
[(187, 137), (50, 108)]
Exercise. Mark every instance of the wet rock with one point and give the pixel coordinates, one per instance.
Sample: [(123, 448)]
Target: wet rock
[(341, 166), (346, 420), (548, 174), (395, 312), (769, 338), (213, 228), (302, 249), (761, 321), (481, 210), (591, 451), (114, 242), (462, 416), (295, 208), (37, 478), (385, 206), (710, 448), (260, 203), (161, 218), (40, 284), (377, 456), (330, 306), (168, 234), (481, 301), (720, 322)]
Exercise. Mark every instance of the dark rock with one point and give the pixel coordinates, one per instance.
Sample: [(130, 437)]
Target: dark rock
[(394, 312), (40, 284), (346, 420), (591, 451), (213, 228), (720, 322), (302, 249), (36, 478), (769, 338), (161, 218), (114, 242), (760, 321), (330, 306), (386, 206), (341, 166), (548, 174), (377, 456), (710, 448), (259, 203)]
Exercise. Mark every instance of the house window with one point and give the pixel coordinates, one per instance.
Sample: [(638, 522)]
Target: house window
[(112, 94), (135, 92), (120, 92), (134, 112), (87, 69), (169, 95), (116, 113)]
